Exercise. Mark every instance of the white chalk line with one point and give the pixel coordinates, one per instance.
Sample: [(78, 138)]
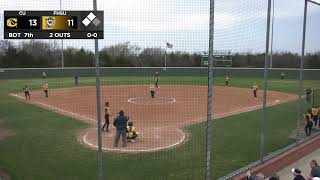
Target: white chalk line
[(84, 139), (131, 100), (55, 108), (247, 109)]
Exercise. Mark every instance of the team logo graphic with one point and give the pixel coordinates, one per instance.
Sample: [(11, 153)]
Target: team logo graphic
[(50, 21), (12, 22)]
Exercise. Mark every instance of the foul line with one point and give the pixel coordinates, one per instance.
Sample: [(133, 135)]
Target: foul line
[(247, 109), (55, 108), (84, 139)]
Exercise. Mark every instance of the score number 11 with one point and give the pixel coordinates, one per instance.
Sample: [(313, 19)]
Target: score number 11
[(70, 22)]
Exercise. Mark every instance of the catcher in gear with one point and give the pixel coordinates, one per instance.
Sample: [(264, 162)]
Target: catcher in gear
[(132, 133)]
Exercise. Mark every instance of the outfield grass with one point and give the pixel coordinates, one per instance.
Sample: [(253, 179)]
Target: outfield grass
[(45, 144)]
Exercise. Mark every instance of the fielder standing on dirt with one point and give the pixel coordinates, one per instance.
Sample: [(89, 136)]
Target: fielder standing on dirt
[(45, 88), (255, 90), (106, 117), (152, 90), (26, 92)]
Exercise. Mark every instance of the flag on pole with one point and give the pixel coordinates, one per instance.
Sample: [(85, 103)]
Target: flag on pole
[(169, 45)]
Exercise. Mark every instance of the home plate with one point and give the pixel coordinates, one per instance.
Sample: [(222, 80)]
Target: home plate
[(277, 101)]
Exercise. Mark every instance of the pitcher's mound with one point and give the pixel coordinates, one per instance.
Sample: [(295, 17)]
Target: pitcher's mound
[(149, 139)]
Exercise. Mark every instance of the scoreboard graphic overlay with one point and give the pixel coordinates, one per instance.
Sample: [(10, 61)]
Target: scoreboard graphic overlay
[(53, 24)]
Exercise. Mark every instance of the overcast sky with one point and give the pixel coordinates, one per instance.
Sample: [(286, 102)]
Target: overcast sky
[(240, 25)]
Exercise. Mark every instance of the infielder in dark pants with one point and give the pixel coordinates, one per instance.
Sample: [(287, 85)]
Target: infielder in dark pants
[(121, 126), (45, 89), (308, 126), (152, 91), (106, 117), (156, 77), (26, 92), (255, 90)]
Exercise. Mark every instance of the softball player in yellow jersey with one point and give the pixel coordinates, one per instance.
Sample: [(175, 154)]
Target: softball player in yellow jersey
[(45, 88), (255, 90), (315, 113), (152, 90), (26, 92)]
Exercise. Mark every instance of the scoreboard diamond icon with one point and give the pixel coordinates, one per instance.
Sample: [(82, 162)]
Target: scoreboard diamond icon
[(86, 22), (96, 22), (91, 16)]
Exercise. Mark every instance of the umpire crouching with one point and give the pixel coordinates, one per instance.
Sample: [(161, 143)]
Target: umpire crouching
[(120, 123)]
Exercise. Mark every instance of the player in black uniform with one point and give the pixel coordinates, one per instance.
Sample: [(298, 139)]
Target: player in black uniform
[(156, 78), (106, 117), (26, 92)]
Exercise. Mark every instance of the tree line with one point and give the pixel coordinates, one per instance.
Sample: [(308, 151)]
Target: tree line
[(39, 54)]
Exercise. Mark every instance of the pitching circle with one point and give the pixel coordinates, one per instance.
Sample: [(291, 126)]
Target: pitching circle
[(151, 101)]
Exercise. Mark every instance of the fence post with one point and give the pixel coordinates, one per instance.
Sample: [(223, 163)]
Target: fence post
[(96, 51), (301, 92), (265, 87), (210, 84)]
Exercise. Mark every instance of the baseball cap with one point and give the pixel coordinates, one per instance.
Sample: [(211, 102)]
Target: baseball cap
[(296, 171)]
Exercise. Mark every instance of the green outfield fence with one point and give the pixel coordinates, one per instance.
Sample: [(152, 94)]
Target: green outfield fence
[(18, 73)]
